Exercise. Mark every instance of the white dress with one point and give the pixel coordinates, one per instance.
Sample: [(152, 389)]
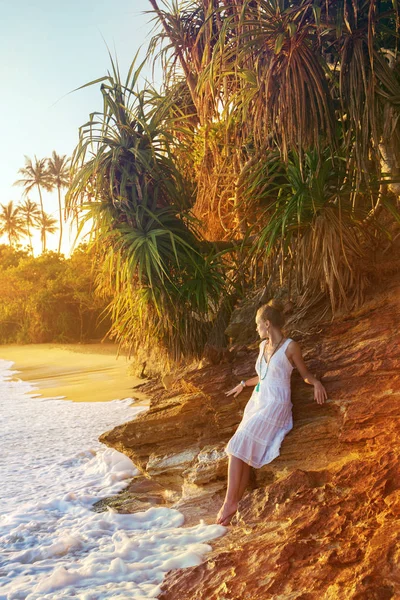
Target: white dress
[(267, 417)]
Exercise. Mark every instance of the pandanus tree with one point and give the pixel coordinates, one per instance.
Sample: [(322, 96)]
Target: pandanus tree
[(164, 291), (298, 117), (58, 174), (11, 223)]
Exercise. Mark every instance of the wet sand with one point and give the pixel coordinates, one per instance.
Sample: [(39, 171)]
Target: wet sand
[(78, 372)]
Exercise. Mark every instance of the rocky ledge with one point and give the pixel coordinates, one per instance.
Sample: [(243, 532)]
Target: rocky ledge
[(321, 521)]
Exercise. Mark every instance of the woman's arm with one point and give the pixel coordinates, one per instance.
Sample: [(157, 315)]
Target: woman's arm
[(249, 382), (295, 356), (240, 387)]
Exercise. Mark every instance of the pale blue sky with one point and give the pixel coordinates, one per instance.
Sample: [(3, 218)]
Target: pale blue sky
[(49, 48)]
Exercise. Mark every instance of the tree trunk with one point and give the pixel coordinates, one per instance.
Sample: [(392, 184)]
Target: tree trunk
[(29, 237), (389, 165), (40, 197), (81, 324), (59, 206)]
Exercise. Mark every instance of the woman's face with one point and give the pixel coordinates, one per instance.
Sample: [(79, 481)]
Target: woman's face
[(262, 327)]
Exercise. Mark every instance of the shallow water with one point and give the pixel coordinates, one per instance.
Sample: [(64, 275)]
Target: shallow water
[(53, 469)]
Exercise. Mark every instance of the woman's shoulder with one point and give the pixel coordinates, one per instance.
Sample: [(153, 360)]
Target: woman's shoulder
[(261, 347), (291, 345)]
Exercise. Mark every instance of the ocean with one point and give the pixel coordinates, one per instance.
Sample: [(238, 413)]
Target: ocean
[(53, 469)]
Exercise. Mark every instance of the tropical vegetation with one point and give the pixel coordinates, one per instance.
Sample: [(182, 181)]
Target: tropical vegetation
[(270, 154), (35, 176), (30, 215), (11, 223), (19, 221), (49, 298)]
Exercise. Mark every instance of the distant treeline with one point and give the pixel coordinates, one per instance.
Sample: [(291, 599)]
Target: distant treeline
[(49, 298)]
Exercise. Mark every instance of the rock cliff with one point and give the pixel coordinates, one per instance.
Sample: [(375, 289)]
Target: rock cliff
[(319, 522)]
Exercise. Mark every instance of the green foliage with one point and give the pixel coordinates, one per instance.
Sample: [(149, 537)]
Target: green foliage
[(164, 290), (10, 257), (278, 124), (307, 215), (305, 96), (48, 298)]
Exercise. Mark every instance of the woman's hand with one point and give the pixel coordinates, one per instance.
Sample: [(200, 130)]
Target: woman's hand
[(320, 394), (236, 390)]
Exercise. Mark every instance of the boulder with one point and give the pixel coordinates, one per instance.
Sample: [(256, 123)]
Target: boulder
[(320, 521)]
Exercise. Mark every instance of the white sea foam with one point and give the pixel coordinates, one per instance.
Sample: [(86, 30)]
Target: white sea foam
[(53, 469)]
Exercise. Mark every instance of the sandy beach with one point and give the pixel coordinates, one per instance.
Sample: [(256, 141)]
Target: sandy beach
[(79, 372)]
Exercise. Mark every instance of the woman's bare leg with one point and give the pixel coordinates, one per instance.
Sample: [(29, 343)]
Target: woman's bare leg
[(244, 480), (238, 472)]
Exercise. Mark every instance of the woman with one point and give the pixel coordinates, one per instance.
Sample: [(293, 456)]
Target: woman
[(268, 414)]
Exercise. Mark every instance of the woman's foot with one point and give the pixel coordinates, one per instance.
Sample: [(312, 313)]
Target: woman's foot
[(226, 513)]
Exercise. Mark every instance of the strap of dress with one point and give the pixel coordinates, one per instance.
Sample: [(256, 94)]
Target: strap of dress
[(283, 347), (286, 343)]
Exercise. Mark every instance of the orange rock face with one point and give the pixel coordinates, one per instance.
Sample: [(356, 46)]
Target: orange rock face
[(322, 522)]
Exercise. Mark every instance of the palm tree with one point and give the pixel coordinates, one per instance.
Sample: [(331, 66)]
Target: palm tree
[(46, 224), (11, 223), (31, 213), (58, 170), (35, 175)]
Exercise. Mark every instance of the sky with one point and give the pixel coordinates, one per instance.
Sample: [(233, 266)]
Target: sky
[(48, 49)]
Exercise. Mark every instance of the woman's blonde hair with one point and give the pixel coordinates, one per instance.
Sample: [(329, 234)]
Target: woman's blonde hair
[(273, 312)]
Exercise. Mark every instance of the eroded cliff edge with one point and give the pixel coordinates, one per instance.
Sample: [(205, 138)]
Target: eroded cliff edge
[(321, 521)]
